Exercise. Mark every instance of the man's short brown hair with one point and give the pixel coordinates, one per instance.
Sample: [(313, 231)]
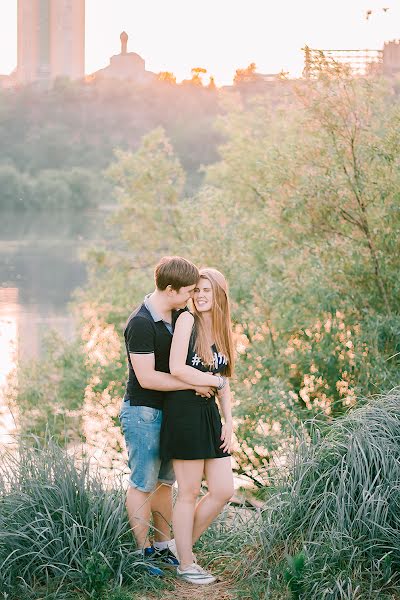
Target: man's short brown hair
[(176, 272)]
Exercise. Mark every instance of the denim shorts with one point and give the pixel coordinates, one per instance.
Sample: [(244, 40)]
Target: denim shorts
[(141, 427)]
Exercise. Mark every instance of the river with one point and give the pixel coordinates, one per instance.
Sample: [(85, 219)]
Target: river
[(40, 267)]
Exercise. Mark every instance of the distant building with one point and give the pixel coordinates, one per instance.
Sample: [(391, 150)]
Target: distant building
[(359, 62), (51, 40), (126, 65), (391, 57)]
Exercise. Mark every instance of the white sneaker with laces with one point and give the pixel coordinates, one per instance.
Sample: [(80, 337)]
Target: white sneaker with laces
[(195, 574)]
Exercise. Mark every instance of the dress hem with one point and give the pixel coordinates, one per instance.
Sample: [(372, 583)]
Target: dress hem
[(195, 457)]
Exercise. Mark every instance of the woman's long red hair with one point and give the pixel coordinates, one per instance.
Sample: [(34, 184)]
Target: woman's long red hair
[(221, 323)]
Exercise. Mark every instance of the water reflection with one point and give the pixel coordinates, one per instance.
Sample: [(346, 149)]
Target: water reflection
[(40, 267), (8, 354)]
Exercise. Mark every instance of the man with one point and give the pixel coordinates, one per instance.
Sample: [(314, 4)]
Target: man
[(148, 336)]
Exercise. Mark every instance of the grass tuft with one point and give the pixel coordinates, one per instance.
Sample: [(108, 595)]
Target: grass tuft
[(61, 529), (339, 508)]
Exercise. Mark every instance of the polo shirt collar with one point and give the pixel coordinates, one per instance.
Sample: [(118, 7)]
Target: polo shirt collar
[(154, 314)]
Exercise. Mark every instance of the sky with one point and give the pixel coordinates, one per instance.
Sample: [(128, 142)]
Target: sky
[(220, 35)]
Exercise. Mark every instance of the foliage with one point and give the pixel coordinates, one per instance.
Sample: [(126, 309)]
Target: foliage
[(14, 187), (61, 529), (105, 360), (65, 535), (79, 124), (301, 214), (297, 212), (52, 189), (48, 394), (148, 193), (328, 529), (245, 75), (336, 512), (315, 295)]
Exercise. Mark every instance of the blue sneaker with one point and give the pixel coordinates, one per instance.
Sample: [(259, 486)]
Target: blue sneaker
[(167, 557), (148, 556)]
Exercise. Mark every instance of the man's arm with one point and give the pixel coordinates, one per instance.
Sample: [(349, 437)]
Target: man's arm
[(150, 379)]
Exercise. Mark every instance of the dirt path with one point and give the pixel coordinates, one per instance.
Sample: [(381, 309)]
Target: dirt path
[(186, 591)]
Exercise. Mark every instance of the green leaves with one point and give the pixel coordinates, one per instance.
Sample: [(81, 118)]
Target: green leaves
[(149, 186)]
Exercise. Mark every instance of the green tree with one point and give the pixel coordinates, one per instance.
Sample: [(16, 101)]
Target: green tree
[(14, 188), (149, 187), (301, 213)]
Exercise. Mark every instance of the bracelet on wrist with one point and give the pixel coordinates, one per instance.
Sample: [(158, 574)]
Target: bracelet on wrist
[(222, 382)]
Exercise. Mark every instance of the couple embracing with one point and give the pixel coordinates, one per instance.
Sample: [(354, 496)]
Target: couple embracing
[(179, 362)]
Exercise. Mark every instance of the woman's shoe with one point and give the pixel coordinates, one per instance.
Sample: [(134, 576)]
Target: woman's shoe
[(172, 547), (195, 574)]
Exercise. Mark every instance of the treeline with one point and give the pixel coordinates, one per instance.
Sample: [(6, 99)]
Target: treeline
[(74, 188), (46, 134)]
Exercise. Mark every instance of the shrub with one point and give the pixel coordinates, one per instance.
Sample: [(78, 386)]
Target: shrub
[(339, 507), (60, 527)]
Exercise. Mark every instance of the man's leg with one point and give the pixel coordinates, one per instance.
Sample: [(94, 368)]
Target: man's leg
[(141, 428), (161, 509), (139, 512)]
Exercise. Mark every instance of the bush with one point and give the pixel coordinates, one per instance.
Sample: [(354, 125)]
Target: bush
[(338, 511), (61, 528), (47, 394)]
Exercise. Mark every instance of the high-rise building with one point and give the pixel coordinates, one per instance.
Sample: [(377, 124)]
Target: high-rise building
[(51, 39)]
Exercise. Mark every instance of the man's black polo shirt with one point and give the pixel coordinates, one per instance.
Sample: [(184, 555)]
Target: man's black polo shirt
[(146, 335)]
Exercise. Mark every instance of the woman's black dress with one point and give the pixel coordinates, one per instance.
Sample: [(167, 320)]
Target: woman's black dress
[(191, 426)]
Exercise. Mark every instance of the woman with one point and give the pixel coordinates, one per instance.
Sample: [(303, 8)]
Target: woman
[(192, 434)]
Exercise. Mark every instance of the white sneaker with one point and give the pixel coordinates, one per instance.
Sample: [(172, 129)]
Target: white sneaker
[(195, 574), (172, 547)]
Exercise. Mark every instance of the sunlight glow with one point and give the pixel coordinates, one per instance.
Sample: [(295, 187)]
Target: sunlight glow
[(221, 36), (8, 354)]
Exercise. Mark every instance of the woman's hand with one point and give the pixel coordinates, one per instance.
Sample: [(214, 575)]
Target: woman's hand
[(226, 436)]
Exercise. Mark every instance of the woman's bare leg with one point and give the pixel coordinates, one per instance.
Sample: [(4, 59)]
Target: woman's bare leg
[(189, 474), (218, 472)]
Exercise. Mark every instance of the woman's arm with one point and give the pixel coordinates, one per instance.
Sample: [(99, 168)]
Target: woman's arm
[(224, 399), (178, 355)]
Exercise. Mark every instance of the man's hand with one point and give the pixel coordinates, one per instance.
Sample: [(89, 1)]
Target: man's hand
[(204, 390)]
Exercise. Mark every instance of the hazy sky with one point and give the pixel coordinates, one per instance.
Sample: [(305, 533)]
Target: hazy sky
[(220, 35)]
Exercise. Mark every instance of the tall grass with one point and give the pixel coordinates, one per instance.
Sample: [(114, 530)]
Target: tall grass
[(336, 516), (330, 528), (64, 534), (60, 528)]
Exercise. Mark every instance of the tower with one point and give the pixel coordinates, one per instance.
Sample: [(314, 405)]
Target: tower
[(51, 39)]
